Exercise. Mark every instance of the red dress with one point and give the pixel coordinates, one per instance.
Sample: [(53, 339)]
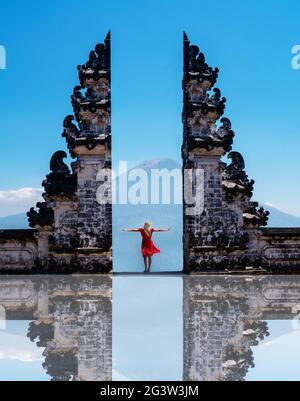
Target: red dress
[(148, 247)]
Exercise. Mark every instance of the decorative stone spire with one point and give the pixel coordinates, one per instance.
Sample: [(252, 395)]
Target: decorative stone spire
[(203, 105), (91, 101)]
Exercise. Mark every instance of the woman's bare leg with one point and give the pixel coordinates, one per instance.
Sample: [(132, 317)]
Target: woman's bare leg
[(149, 263), (145, 264)]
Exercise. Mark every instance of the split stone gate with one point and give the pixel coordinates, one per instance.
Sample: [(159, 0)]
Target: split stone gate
[(72, 230)]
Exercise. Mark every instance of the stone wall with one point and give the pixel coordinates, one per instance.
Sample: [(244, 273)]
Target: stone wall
[(18, 250), (279, 249)]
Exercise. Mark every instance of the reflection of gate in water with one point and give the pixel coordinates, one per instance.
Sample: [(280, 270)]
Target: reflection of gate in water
[(223, 319), (70, 318)]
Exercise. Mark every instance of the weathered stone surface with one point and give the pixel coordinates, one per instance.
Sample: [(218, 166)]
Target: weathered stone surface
[(18, 250)]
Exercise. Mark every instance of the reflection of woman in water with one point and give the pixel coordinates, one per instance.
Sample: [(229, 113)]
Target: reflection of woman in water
[(148, 247)]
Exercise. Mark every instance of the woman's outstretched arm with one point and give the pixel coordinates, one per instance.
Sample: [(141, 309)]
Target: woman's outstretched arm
[(130, 230), (161, 230)]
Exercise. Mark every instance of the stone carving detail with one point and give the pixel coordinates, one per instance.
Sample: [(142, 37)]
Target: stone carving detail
[(235, 178), (16, 256), (71, 132), (60, 182), (283, 252), (255, 216), (42, 331), (97, 65), (196, 67), (44, 217), (225, 131), (57, 165), (206, 107)]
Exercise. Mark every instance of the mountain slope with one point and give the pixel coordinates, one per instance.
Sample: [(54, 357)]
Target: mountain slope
[(278, 218), (14, 222)]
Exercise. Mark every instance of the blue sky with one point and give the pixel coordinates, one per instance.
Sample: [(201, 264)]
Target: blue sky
[(250, 42), (147, 341), (277, 357)]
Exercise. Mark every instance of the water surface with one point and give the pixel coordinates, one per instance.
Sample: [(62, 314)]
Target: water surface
[(149, 328)]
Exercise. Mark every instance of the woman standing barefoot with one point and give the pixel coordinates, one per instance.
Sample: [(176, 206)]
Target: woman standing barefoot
[(148, 247)]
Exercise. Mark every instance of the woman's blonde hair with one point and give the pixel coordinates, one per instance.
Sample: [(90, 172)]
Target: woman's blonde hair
[(147, 224)]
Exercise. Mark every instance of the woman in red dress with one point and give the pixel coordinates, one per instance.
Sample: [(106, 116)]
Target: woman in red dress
[(148, 247)]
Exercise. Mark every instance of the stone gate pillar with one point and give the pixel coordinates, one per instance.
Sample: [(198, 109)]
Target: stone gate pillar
[(220, 234), (94, 226), (77, 218), (92, 147)]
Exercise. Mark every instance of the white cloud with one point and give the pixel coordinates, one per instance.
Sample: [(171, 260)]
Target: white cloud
[(15, 347), (18, 200)]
